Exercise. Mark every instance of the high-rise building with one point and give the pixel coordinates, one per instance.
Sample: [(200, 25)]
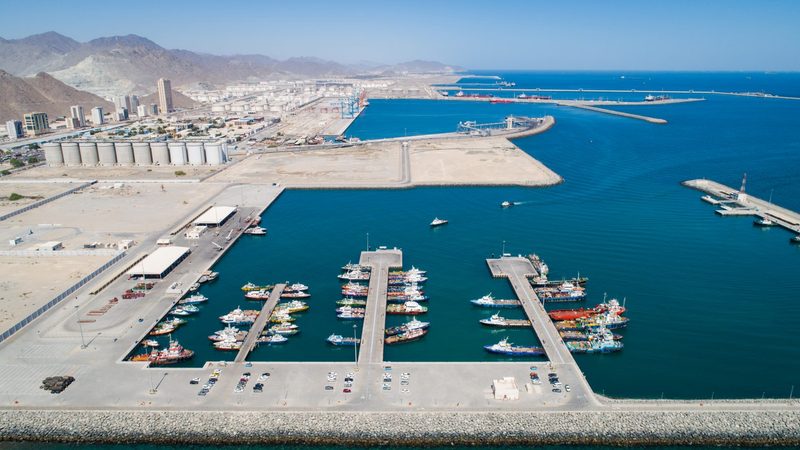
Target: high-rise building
[(97, 115), (76, 112), (72, 122), (36, 123), (165, 95), (122, 114), (14, 128), (153, 109), (122, 102), (134, 104), (141, 111)]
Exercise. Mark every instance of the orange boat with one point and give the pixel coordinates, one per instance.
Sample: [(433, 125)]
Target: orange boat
[(611, 306)]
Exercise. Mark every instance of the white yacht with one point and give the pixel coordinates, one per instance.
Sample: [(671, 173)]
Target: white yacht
[(438, 222)]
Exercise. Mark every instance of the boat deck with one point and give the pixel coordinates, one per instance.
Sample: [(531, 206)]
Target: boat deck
[(258, 326)]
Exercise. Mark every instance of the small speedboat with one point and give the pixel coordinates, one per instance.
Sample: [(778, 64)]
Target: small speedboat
[(764, 222), (506, 204), (256, 231), (150, 343), (438, 222), (795, 240)]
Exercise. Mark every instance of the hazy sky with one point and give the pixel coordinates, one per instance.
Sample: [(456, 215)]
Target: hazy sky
[(507, 34)]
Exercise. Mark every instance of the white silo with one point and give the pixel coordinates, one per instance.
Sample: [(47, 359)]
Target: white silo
[(107, 153), (177, 153), (160, 153), (197, 156), (72, 153), (52, 154), (124, 152), (214, 156), (141, 153), (88, 153)]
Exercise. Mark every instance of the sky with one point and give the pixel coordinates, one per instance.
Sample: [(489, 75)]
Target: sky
[(509, 34)]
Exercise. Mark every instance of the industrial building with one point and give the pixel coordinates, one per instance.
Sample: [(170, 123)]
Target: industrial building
[(130, 153), (36, 123), (159, 263), (215, 216)]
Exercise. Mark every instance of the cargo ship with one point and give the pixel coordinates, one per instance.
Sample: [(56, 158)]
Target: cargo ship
[(408, 326), (490, 302), (506, 348), (500, 100), (407, 308), (408, 336), (611, 306), (496, 320)]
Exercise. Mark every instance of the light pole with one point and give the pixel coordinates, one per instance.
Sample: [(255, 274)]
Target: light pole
[(355, 346), (504, 249), (80, 326), (367, 241)]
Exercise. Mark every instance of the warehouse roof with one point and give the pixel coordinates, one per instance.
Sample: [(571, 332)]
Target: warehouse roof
[(158, 262), (215, 215)]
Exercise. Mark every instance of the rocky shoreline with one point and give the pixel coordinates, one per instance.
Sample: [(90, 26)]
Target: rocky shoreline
[(776, 428)]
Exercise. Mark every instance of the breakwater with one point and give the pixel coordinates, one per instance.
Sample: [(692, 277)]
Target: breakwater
[(741, 427)]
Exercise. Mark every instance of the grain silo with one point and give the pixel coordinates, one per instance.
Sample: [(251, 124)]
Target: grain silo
[(177, 153), (197, 156), (52, 154), (214, 154), (107, 153), (141, 153), (124, 152), (72, 153), (88, 153), (160, 153)]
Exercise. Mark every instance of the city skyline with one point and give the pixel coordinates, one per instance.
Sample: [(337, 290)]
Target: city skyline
[(725, 36)]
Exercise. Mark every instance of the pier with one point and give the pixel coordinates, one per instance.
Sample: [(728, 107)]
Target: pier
[(518, 270), (258, 326), (734, 202), (372, 334), (583, 105)]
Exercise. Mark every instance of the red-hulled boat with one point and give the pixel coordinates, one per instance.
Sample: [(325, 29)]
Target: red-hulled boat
[(612, 306)]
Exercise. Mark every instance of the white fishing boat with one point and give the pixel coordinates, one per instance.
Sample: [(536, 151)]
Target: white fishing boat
[(438, 222), (256, 231)]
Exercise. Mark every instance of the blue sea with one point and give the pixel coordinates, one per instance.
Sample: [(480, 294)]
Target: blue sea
[(713, 301)]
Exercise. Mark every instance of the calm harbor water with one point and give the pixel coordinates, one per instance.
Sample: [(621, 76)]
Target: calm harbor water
[(54, 446), (712, 301)]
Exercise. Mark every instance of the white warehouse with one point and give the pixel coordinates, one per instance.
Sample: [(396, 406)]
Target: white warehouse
[(127, 153)]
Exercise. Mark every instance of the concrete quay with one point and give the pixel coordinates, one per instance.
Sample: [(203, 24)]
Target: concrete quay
[(746, 204), (254, 333), (581, 105), (517, 270)]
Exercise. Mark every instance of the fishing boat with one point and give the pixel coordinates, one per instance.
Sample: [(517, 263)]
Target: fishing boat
[(256, 231), (414, 297), (407, 308), (170, 355), (795, 239), (408, 326), (294, 306), (596, 334), (351, 309), (272, 339), (491, 302), (408, 336), (608, 320), (150, 343), (239, 317), (210, 275), (412, 271), (438, 222), (351, 302), (255, 287), (403, 280), (179, 311), (594, 346), (281, 317), (496, 320), (196, 298), (228, 345), (355, 275), (538, 264), (764, 222), (542, 281), (162, 328), (338, 339), (611, 306), (564, 292), (506, 204), (295, 287), (258, 294), (506, 348), (228, 333), (285, 329), (295, 294)]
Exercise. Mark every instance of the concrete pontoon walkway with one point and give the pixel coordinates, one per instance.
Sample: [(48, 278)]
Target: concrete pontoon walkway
[(258, 326)]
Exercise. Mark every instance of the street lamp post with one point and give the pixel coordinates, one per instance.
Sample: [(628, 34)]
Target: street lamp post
[(355, 346), (80, 325)]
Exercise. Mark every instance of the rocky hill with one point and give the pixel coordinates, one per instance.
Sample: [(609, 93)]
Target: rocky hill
[(43, 93), (131, 64)]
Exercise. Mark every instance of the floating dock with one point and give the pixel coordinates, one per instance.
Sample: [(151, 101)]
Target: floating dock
[(734, 202), (258, 326)]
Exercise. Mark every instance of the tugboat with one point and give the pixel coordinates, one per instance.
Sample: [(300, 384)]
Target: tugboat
[(408, 336), (408, 326), (171, 355), (338, 339), (438, 222), (489, 301), (506, 348), (496, 320)]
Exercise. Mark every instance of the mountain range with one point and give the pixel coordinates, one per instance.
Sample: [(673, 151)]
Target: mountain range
[(131, 64)]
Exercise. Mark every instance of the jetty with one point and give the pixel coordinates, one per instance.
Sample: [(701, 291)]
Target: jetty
[(372, 334), (517, 270), (733, 202), (251, 339), (583, 105)]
